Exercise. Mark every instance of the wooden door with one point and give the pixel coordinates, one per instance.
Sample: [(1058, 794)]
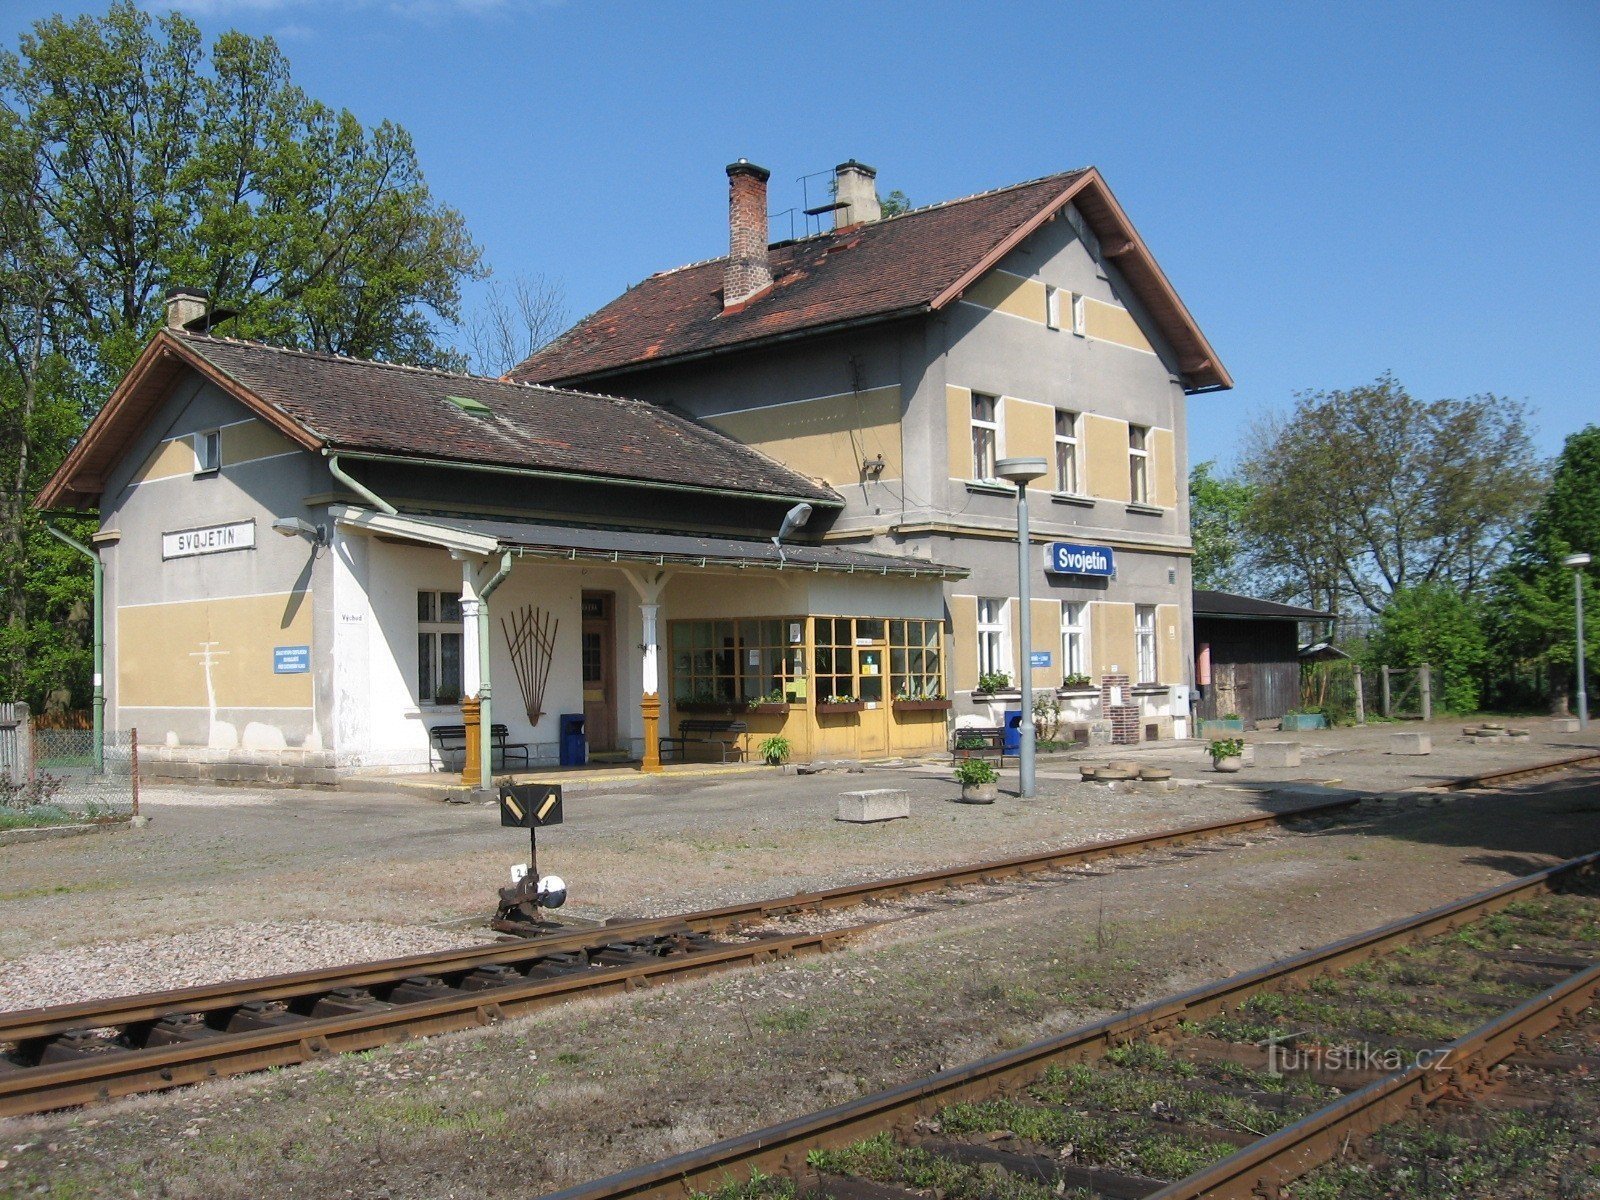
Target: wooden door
[(872, 682), (600, 670)]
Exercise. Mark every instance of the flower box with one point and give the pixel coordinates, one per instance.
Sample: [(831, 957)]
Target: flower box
[(921, 705), (1299, 722), (829, 709), (768, 710), (1220, 727)]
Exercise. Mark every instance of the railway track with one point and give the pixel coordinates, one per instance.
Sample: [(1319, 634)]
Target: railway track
[(1230, 1090), (75, 1054)]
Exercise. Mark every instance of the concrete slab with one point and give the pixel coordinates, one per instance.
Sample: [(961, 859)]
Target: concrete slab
[(1410, 743), (875, 804), (1277, 754)]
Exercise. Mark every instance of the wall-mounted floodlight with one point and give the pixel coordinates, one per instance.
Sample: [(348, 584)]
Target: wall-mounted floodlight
[(317, 535), (792, 520)]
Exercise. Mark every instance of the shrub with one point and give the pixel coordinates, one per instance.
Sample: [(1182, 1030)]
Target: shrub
[(774, 749), (994, 681), (1226, 747), (970, 772), (1434, 624)]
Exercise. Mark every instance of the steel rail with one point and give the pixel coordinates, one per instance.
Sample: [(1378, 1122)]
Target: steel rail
[(782, 1148), (32, 1024), (1264, 1167), (1513, 774)]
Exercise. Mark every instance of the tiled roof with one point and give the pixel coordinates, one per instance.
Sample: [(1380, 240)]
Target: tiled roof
[(353, 405), (900, 263), (916, 261)]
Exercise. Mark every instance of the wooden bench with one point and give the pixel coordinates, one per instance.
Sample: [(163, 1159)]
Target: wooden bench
[(452, 739), (980, 742), (711, 732)]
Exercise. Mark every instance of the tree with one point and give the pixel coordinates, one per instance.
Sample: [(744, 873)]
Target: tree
[(1359, 494), (1218, 507), (895, 203), (1532, 598), (513, 321), (1435, 624), (130, 161)]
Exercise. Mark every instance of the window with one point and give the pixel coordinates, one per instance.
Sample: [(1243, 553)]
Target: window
[(916, 666), (985, 436), (1077, 316), (1144, 635), (737, 662), (992, 657), (1139, 464), (1052, 307), (1067, 452), (208, 452), (1074, 638), (835, 659), (438, 647)]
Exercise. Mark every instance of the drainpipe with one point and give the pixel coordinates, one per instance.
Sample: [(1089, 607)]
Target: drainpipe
[(485, 707), (99, 702), (360, 489)]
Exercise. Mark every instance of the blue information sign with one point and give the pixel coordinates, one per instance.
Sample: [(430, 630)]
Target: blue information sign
[(291, 660), (1074, 558), (1039, 658)]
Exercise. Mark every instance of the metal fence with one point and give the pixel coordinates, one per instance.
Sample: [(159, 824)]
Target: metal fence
[(56, 774)]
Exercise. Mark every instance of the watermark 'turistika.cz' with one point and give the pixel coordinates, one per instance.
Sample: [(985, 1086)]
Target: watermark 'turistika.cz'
[(1283, 1056)]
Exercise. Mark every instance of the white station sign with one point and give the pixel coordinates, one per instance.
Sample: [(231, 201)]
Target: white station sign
[(212, 539)]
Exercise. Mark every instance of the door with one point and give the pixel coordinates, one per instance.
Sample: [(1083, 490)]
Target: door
[(872, 678), (600, 670)]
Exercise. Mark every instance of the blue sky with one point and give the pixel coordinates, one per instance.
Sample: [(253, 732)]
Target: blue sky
[(1336, 190)]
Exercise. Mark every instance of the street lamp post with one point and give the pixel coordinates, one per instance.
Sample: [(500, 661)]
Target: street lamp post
[(1023, 471), (1578, 562)]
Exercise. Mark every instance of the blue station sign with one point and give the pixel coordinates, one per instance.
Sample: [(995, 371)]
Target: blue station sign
[(1075, 558)]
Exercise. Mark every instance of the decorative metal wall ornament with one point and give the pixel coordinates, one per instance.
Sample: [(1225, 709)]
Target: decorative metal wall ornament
[(531, 640)]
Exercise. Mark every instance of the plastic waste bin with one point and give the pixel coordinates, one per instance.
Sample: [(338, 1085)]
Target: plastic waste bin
[(574, 744), (1013, 731)]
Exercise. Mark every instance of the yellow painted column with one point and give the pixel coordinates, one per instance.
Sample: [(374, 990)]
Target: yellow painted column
[(471, 771), (650, 710)]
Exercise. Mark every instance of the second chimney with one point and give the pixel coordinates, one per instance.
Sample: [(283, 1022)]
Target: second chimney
[(186, 306), (855, 188), (748, 271)]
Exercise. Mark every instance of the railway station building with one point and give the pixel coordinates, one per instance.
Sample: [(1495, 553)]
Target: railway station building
[(894, 359)]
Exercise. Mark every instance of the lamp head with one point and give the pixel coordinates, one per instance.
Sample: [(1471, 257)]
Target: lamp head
[(1576, 560), (794, 519), (1021, 471), (317, 535)]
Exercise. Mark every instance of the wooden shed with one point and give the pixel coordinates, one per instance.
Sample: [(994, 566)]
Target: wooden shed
[(1247, 655)]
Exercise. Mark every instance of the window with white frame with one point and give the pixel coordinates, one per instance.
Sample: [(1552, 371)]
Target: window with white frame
[(985, 435), (1067, 452), (1139, 464), (1144, 636), (1052, 307), (208, 451), (1077, 315), (438, 647), (992, 657), (1075, 639)]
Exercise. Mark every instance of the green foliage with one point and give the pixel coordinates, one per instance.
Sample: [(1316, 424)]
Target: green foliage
[(774, 749), (994, 681), (1532, 601), (1434, 624), (1218, 509), (973, 772), (1226, 747), (1077, 680), (1361, 493), (895, 203)]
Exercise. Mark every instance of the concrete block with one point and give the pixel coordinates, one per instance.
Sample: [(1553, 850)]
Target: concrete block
[(1410, 743), (1566, 724), (1277, 754), (876, 804)]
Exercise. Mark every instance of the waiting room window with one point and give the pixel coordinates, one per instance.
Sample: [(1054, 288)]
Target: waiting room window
[(992, 657), (737, 662), (1074, 639), (1067, 452), (985, 436), (1052, 307), (1139, 464), (1144, 634), (835, 659), (208, 452), (438, 647), (916, 667)]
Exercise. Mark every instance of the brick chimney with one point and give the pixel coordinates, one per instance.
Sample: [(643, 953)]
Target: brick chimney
[(748, 271), (855, 187), (186, 306)]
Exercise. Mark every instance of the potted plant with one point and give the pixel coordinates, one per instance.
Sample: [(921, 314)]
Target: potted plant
[(1230, 723), (1299, 721), (1227, 754), (994, 681), (773, 704), (839, 704), (774, 750), (1077, 682), (977, 778)]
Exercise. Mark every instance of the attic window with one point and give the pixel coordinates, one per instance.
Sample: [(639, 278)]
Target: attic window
[(467, 404)]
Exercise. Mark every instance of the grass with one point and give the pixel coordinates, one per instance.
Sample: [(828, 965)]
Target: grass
[(37, 816), (788, 1020), (880, 1160)]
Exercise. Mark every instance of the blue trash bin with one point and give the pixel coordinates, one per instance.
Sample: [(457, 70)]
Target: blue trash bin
[(574, 744), (1013, 732)]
